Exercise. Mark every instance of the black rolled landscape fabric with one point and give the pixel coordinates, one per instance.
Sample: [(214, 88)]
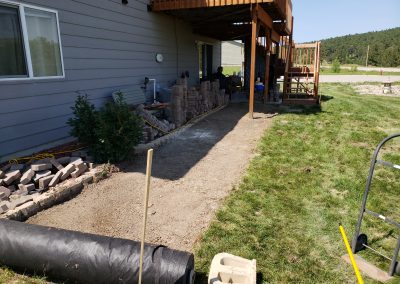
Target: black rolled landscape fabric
[(87, 258)]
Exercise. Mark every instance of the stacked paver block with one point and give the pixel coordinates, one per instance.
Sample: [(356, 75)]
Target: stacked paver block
[(178, 104), (17, 186)]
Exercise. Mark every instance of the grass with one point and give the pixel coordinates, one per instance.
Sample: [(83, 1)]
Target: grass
[(309, 176), (228, 70), (7, 276)]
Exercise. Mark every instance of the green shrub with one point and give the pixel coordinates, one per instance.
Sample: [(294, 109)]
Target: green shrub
[(84, 122), (335, 66), (354, 68), (110, 133)]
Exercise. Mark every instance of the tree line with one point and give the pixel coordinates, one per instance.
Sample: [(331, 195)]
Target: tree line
[(384, 48)]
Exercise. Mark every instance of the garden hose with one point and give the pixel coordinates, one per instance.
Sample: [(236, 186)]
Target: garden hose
[(42, 156)]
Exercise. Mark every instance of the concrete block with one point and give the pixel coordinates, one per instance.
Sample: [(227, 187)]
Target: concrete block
[(19, 192), (369, 269), (21, 200), (27, 176), (67, 171), (28, 209), (37, 167), (11, 177), (64, 160), (79, 169), (2, 174), (56, 164), (228, 268), (15, 167), (4, 193), (41, 174), (56, 179), (75, 160), (26, 187), (44, 182)]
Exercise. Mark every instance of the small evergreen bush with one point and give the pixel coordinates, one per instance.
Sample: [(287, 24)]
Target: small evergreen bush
[(335, 66), (110, 133)]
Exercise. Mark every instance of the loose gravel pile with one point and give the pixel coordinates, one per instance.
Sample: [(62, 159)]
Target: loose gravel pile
[(376, 90)]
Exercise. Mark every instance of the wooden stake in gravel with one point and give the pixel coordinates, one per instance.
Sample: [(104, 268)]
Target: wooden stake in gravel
[(146, 207)]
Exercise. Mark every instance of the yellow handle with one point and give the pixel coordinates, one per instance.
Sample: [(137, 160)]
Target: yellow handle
[(353, 261)]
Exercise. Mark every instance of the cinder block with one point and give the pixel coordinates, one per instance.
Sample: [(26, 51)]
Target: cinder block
[(228, 268), (26, 187), (37, 167), (11, 177), (63, 160), (44, 182), (56, 164), (4, 193), (41, 174), (79, 169), (56, 179), (27, 176), (67, 171)]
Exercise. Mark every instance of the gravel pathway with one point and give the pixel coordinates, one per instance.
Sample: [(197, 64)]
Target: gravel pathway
[(191, 176)]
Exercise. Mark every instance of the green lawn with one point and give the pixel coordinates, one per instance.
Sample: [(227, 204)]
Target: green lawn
[(309, 176), (228, 70), (7, 276)]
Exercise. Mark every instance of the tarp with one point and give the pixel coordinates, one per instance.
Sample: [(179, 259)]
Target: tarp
[(87, 258)]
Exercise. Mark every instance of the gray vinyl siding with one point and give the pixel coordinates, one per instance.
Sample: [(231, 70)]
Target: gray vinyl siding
[(106, 46), (232, 53)]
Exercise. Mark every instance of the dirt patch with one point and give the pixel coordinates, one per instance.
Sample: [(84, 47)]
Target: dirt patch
[(376, 90), (191, 176)]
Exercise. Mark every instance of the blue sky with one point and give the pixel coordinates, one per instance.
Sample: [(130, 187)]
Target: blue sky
[(319, 19)]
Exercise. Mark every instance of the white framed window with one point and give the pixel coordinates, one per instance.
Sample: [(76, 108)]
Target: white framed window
[(30, 45)]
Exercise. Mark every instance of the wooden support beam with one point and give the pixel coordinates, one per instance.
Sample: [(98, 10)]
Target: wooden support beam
[(263, 16), (275, 36), (267, 63), (253, 62)]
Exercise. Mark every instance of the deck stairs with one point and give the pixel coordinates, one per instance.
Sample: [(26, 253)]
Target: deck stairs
[(301, 81)]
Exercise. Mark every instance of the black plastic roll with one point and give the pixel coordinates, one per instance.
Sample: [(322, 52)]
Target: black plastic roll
[(86, 258)]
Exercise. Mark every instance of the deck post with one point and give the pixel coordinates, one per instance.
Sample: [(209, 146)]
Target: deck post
[(253, 61), (267, 63)]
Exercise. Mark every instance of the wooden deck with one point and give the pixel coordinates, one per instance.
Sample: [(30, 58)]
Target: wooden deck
[(198, 10)]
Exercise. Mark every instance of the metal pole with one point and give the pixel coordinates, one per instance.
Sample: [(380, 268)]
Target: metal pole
[(146, 207), (366, 61)]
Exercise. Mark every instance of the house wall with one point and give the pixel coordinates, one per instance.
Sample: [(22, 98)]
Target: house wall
[(232, 53), (106, 46)]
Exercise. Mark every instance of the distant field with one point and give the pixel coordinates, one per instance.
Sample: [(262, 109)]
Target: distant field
[(228, 70)]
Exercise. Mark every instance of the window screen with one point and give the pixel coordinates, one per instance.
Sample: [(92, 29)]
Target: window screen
[(43, 42)]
